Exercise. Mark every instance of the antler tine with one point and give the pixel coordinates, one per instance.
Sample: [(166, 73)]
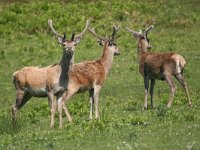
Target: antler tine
[(134, 33), (85, 30), (115, 29), (149, 28), (52, 29), (94, 33), (129, 30)]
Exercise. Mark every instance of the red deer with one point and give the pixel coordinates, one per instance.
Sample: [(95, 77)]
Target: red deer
[(47, 81), (160, 66), (90, 76)]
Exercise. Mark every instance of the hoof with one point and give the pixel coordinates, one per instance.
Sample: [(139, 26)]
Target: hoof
[(144, 108), (190, 104), (70, 120), (168, 106), (97, 118), (152, 107)]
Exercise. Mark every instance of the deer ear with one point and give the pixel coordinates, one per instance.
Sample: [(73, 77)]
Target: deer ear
[(100, 42), (73, 36), (77, 39), (110, 43), (60, 40)]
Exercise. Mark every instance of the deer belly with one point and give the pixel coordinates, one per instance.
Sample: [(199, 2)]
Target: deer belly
[(37, 92), (83, 88)]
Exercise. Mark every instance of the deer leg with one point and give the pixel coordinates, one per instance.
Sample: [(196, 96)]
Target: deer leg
[(96, 100), (54, 112), (52, 108), (181, 80), (146, 86), (21, 98), (60, 111), (91, 94), (151, 91), (172, 90), (61, 104)]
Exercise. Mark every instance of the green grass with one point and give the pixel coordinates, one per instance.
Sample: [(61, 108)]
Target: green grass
[(27, 41)]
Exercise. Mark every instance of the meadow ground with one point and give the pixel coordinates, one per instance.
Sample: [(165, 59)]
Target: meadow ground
[(25, 40)]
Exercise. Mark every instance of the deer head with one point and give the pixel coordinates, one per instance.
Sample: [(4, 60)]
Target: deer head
[(142, 37), (69, 45), (108, 42)]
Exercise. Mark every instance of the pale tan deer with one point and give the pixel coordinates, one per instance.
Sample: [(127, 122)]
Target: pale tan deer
[(90, 76), (160, 66), (47, 81)]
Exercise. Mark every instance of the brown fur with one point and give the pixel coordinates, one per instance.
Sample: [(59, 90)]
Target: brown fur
[(88, 76), (48, 81), (156, 64), (87, 73), (161, 66), (41, 82)]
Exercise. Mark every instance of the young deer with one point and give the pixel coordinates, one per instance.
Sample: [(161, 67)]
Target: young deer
[(90, 76), (47, 81), (161, 66)]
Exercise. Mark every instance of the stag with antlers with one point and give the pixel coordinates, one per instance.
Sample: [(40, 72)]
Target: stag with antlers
[(90, 75), (160, 66), (47, 81)]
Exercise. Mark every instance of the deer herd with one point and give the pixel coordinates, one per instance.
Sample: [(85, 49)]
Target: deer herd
[(62, 80)]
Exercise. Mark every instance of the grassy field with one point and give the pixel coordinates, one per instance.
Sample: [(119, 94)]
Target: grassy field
[(25, 40)]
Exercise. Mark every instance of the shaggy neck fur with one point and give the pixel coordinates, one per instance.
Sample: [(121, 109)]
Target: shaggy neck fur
[(107, 58), (66, 64)]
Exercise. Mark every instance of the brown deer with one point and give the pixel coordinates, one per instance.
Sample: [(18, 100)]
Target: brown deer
[(90, 76), (47, 81), (161, 66)]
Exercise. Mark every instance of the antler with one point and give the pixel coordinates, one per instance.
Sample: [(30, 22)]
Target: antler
[(145, 32), (53, 30), (115, 29), (84, 31), (94, 33), (149, 28), (132, 32)]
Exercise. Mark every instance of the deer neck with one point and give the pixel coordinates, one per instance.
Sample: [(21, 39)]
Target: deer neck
[(107, 59), (142, 49), (66, 64)]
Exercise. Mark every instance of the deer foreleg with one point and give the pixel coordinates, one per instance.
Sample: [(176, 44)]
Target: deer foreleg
[(91, 94), (52, 108)]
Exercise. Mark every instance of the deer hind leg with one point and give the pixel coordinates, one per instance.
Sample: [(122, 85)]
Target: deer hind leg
[(172, 90), (21, 98), (91, 94), (146, 86), (152, 84), (181, 80)]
